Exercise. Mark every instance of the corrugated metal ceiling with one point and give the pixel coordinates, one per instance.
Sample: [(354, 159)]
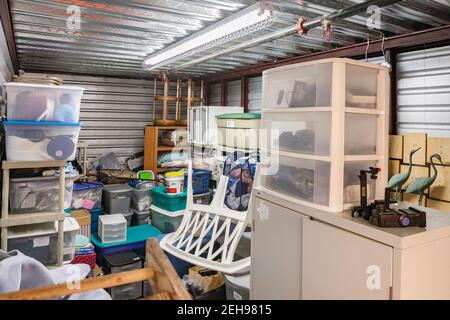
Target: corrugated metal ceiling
[(115, 36)]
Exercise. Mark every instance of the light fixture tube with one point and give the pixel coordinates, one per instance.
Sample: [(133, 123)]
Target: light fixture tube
[(246, 21)]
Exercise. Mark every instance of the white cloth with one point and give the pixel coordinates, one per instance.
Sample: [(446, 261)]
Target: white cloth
[(20, 272)]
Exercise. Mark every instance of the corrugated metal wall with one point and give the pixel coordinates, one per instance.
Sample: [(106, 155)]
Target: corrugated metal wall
[(424, 91), (214, 94), (254, 94), (113, 114), (234, 93), (6, 68)]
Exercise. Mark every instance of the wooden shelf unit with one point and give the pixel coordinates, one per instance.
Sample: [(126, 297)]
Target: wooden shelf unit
[(8, 220), (152, 148)]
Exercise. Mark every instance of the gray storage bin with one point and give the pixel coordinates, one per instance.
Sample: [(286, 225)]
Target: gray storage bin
[(121, 262), (140, 217), (203, 198), (38, 241), (128, 216), (141, 199), (238, 287), (116, 198)]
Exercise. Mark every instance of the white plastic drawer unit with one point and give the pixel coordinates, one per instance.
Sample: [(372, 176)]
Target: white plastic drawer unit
[(323, 125), (202, 123), (112, 228)]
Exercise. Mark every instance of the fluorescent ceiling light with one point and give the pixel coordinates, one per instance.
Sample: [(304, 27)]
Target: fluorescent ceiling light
[(246, 21)]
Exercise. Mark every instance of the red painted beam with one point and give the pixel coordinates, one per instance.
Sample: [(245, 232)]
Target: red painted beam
[(434, 36), (5, 17)]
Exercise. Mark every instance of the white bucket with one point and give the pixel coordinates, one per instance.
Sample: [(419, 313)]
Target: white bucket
[(174, 182)]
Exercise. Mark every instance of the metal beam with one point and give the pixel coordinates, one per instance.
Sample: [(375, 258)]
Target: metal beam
[(5, 17), (430, 37)]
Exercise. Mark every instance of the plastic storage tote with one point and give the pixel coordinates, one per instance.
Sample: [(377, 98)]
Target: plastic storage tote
[(41, 141), (169, 202), (38, 241), (141, 198), (238, 287), (239, 130), (122, 262), (38, 194), (117, 198), (112, 228), (200, 181), (87, 195), (166, 221), (38, 102), (140, 217)]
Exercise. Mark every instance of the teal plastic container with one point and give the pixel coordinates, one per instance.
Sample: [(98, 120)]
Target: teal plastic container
[(167, 201)]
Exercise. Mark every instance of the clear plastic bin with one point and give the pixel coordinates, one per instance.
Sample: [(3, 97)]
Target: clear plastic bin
[(141, 199), (361, 87), (38, 241), (41, 141), (298, 86), (36, 102), (140, 217), (302, 179), (166, 221), (352, 183), (38, 194), (360, 134), (87, 195), (112, 228), (304, 132)]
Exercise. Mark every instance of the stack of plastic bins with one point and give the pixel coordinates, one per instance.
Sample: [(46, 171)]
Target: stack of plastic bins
[(117, 199), (323, 126), (135, 240), (167, 209)]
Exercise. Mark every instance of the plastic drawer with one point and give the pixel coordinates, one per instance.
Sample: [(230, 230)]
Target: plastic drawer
[(357, 125), (127, 292), (303, 179), (298, 86), (302, 132), (361, 94)]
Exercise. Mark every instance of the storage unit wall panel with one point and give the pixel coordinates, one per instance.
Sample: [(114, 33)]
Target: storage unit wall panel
[(441, 188), (424, 91), (440, 146), (6, 68), (234, 93), (214, 94), (413, 141), (255, 94)]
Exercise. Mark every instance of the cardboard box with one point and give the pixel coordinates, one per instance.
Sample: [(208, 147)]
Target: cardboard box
[(440, 146), (439, 205), (396, 147), (416, 172), (414, 198), (412, 141), (394, 168), (440, 189)]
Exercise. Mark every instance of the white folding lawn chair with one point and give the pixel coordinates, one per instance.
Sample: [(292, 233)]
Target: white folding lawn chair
[(195, 241)]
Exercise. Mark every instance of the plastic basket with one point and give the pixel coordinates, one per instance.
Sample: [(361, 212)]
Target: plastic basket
[(169, 202), (200, 181)]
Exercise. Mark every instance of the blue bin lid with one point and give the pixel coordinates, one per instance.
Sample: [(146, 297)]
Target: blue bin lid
[(42, 123), (87, 186), (134, 235)]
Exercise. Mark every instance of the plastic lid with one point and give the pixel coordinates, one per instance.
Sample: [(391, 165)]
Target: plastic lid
[(161, 190), (121, 258), (87, 186), (244, 116), (174, 174), (42, 86), (167, 213), (134, 235), (117, 188), (42, 123), (112, 218), (240, 280), (81, 240)]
